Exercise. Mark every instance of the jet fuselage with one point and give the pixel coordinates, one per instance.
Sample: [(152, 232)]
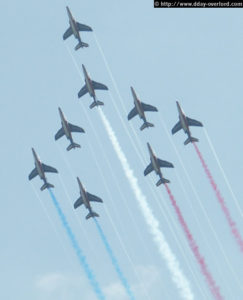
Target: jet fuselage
[(138, 105), (65, 125), (38, 165), (84, 195), (183, 120), (73, 24), (154, 161), (88, 83)]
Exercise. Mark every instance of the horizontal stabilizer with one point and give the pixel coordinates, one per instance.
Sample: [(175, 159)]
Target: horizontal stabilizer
[(162, 180), (146, 125), (96, 103), (92, 214), (81, 45), (190, 139), (72, 146), (46, 186)]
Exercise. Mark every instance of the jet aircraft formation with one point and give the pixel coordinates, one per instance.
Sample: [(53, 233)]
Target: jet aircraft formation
[(139, 109)]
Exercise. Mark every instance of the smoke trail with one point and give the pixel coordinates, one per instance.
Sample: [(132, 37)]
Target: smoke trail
[(81, 257), (222, 171), (114, 260), (178, 277), (224, 208), (214, 289), (237, 280)]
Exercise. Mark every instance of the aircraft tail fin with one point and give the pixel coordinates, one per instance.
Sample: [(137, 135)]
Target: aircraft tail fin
[(162, 180), (190, 139), (46, 185), (95, 103), (81, 45), (92, 214), (72, 146), (146, 125)]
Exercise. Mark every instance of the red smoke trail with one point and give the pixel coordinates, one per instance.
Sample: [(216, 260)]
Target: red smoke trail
[(231, 223), (212, 285)]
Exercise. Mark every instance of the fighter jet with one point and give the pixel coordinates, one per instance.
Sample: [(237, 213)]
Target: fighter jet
[(67, 129), (184, 123), (40, 169), (155, 165), (90, 87), (85, 199), (74, 29), (139, 109)]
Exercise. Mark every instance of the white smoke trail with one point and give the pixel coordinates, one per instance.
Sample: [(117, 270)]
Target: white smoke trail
[(178, 277), (223, 173)]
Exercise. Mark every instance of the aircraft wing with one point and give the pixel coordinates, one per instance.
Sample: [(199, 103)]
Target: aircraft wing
[(49, 169), (93, 198), (192, 122), (82, 27), (99, 86), (148, 169), (132, 113), (74, 128), (33, 174), (78, 202), (83, 91), (165, 164), (176, 128), (59, 134), (147, 107), (67, 33)]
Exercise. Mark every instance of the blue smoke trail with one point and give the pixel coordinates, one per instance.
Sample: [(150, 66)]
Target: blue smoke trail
[(114, 261), (81, 257)]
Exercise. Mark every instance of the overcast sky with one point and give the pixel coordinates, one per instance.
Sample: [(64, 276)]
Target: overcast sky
[(190, 55)]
